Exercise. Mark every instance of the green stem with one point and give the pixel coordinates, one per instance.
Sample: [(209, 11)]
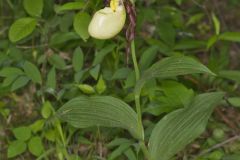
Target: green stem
[(137, 97), (134, 58), (138, 104), (145, 150), (45, 154), (139, 114), (10, 4)]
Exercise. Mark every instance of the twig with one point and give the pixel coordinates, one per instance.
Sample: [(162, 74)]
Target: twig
[(219, 12), (3, 30), (45, 154), (219, 145), (226, 120), (35, 46), (198, 4), (204, 8), (10, 4)]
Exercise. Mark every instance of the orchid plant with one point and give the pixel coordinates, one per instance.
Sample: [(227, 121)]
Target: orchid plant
[(173, 132), (80, 93)]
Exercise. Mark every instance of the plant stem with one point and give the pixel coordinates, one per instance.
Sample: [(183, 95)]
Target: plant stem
[(46, 153), (137, 97), (138, 104), (145, 150), (10, 4), (133, 52)]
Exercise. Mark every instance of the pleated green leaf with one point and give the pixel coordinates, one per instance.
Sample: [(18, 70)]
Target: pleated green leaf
[(83, 112), (181, 127), (171, 67)]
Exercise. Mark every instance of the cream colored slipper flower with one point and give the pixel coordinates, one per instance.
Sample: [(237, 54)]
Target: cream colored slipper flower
[(108, 22)]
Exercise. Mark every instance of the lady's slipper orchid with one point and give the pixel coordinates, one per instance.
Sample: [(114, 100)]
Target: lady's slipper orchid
[(108, 22)]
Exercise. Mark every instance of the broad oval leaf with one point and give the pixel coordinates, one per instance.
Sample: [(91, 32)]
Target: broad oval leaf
[(234, 101), (80, 24), (20, 82), (35, 146), (57, 61), (101, 85), (78, 59), (147, 57), (10, 71), (171, 67), (21, 28), (94, 72), (37, 125), (32, 72), (16, 148), (51, 79), (181, 127), (46, 110), (99, 57), (63, 38), (83, 112), (121, 73), (33, 8), (22, 133), (70, 6)]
